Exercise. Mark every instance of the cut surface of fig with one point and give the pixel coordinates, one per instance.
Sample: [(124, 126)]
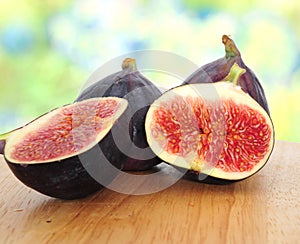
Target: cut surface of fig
[(64, 132), (46, 154), (213, 129)]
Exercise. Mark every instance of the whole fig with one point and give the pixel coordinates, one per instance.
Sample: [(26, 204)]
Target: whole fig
[(219, 69), (130, 145)]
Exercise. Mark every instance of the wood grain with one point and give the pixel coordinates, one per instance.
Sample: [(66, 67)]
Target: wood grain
[(262, 209)]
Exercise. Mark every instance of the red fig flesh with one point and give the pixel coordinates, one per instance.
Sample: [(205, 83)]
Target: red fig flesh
[(216, 130)]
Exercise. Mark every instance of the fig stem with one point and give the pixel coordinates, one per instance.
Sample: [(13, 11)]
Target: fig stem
[(5, 135), (230, 47), (234, 74), (3, 138), (129, 64)]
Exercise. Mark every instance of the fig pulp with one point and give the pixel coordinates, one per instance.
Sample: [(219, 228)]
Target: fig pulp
[(128, 145), (215, 131), (218, 70), (45, 154)]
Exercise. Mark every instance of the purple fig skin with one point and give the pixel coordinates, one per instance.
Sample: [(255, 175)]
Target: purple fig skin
[(2, 145), (219, 69), (66, 179), (120, 84)]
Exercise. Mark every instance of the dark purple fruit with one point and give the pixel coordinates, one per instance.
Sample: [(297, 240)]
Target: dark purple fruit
[(219, 69), (128, 144), (47, 153), (2, 145), (217, 139)]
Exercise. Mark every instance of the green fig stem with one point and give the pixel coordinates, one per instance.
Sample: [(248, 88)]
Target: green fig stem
[(234, 74), (230, 47), (129, 64), (4, 136)]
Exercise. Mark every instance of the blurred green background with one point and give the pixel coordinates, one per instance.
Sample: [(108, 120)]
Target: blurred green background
[(49, 48)]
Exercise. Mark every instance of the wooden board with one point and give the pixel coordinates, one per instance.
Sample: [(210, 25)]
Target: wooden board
[(262, 209)]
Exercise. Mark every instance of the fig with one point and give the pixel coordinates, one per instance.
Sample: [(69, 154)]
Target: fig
[(215, 131), (128, 144), (218, 70), (45, 154)]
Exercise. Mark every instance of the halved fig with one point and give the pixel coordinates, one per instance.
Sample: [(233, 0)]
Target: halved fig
[(128, 144), (45, 154), (215, 131)]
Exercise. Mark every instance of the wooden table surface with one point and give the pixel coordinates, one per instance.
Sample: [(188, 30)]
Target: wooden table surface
[(262, 209)]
